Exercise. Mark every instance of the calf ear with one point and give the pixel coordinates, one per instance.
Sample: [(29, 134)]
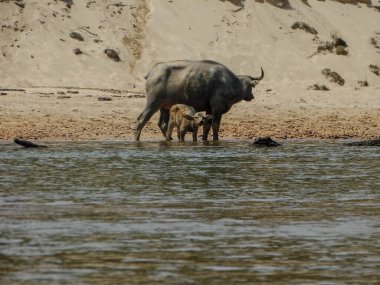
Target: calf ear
[(190, 118), (207, 118)]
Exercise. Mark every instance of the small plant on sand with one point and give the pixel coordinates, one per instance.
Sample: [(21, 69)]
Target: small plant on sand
[(20, 4), (305, 27), (325, 46), (341, 50), (317, 87), (69, 3), (375, 69), (337, 45), (363, 83), (112, 54), (375, 43), (306, 2), (284, 4), (77, 51), (77, 36), (334, 35), (239, 3), (333, 76)]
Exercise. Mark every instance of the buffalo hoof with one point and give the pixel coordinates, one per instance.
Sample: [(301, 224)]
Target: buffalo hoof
[(375, 142), (265, 141)]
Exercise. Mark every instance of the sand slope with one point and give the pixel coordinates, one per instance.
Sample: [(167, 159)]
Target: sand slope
[(36, 48)]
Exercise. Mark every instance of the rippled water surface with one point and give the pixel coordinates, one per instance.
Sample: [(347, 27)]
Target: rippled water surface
[(307, 212)]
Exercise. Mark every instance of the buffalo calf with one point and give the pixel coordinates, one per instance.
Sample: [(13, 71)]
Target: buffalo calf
[(185, 119)]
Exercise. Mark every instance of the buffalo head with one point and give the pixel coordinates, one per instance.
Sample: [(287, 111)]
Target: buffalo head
[(249, 82)]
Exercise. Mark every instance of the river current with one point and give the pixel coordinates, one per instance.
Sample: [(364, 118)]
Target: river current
[(307, 212)]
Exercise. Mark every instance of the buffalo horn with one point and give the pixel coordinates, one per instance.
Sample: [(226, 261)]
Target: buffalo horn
[(258, 78)]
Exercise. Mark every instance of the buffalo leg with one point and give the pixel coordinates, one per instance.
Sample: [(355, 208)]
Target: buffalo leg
[(169, 131), (163, 121), (206, 128), (143, 119), (216, 118)]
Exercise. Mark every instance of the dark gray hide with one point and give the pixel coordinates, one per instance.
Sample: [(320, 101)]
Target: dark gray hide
[(204, 85)]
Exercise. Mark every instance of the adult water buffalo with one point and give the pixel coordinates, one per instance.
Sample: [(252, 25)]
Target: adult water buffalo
[(204, 85)]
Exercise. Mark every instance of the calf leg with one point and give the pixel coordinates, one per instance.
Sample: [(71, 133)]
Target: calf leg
[(143, 119), (182, 135), (195, 135)]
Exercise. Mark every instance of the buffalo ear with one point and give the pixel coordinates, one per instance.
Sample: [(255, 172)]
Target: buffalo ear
[(190, 118)]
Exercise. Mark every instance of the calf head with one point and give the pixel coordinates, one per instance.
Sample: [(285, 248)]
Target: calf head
[(198, 119), (248, 83)]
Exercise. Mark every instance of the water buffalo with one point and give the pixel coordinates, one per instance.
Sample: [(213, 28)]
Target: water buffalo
[(205, 85), (185, 119)]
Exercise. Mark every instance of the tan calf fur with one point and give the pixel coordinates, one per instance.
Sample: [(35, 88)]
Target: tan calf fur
[(185, 119)]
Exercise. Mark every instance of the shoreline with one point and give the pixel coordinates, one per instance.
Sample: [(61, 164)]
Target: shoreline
[(47, 144)]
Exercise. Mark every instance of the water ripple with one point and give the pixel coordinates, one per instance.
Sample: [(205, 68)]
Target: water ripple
[(206, 213)]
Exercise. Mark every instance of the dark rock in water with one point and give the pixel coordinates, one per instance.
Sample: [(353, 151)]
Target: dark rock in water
[(264, 141), (375, 142), (112, 54), (27, 144)]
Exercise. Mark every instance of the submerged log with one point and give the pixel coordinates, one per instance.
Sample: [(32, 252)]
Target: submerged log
[(27, 144), (265, 141), (375, 142)]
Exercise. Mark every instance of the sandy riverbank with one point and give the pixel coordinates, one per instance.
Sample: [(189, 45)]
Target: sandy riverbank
[(277, 111)]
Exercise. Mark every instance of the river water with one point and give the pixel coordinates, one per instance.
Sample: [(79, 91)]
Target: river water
[(307, 212)]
